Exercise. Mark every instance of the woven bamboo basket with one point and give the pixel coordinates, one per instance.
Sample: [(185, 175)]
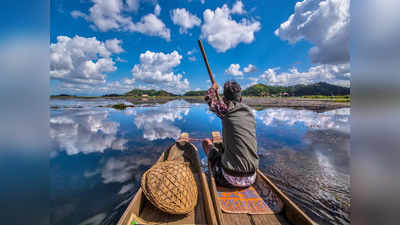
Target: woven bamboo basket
[(171, 187)]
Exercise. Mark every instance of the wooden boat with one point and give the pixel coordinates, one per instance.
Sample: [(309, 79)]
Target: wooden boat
[(141, 211), (291, 213)]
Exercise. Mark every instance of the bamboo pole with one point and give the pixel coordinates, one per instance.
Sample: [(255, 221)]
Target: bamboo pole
[(210, 74)]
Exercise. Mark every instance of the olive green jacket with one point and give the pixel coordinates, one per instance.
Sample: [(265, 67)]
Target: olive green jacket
[(239, 157)]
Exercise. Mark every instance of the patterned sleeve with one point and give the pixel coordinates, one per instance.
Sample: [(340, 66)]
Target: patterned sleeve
[(218, 107)]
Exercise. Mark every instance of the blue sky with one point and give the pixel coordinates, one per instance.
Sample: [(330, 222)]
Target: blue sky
[(112, 46)]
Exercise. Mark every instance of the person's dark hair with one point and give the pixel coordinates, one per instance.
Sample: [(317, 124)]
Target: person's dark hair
[(232, 91)]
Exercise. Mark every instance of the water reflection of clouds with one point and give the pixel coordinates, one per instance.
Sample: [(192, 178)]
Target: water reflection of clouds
[(318, 175), (85, 131), (157, 122), (318, 168), (336, 119), (97, 219), (84, 103), (116, 170), (120, 170), (126, 188)]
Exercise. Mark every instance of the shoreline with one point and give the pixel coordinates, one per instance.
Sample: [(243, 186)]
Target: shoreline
[(259, 103), (319, 105)]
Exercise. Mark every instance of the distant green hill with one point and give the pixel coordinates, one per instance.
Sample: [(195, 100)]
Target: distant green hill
[(195, 93), (112, 95), (320, 88), (141, 93), (263, 90), (63, 95)]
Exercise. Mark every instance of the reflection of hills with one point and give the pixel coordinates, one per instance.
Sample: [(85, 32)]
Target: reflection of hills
[(335, 119), (84, 132), (157, 122)]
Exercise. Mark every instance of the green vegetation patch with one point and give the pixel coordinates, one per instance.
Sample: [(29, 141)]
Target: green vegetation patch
[(321, 89), (120, 106), (195, 93), (148, 93)]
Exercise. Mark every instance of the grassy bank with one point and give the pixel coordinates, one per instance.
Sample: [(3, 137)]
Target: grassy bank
[(315, 103), (342, 98)]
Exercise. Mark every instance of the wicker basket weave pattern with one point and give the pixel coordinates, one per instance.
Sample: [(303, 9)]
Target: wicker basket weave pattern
[(171, 187)]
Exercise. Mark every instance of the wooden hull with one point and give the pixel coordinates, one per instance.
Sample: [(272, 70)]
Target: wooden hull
[(142, 211), (291, 213)]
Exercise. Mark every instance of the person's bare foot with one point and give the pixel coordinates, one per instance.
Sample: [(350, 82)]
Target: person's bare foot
[(207, 145)]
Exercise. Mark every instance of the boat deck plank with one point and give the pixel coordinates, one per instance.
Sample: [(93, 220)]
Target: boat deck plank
[(199, 215), (236, 219), (240, 219), (275, 219)]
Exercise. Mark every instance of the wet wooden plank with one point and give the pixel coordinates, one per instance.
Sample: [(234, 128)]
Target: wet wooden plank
[(199, 215), (209, 207), (138, 201), (236, 219), (151, 214), (213, 187), (275, 219)]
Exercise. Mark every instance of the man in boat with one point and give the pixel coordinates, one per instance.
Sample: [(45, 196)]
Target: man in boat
[(235, 165)]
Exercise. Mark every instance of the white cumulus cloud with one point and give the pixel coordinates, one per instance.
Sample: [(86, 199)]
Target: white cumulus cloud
[(133, 5), (184, 19), (114, 15), (223, 32), (156, 69), (107, 15), (157, 10), (81, 61), (153, 26), (250, 68), (114, 45), (334, 74), (234, 70), (238, 8), (326, 24)]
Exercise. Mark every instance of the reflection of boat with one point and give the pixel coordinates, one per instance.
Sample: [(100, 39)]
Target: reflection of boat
[(141, 211), (290, 214)]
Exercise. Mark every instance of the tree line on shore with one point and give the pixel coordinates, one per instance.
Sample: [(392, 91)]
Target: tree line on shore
[(259, 90), (262, 90)]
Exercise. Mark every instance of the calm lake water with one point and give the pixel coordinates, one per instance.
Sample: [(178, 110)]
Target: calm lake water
[(99, 154)]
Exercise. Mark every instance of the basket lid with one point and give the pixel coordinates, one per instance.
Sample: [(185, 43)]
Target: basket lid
[(171, 187)]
